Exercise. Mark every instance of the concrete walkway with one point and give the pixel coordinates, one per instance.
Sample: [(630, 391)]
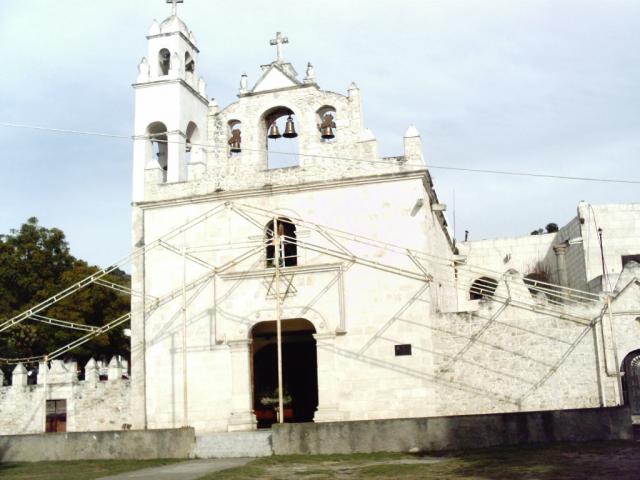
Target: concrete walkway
[(189, 470)]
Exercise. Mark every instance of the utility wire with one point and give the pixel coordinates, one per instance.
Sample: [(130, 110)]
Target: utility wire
[(330, 157)]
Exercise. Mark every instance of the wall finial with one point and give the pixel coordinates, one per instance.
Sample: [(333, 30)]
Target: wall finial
[(311, 74)]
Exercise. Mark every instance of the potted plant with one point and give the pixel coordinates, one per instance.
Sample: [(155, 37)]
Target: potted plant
[(272, 400)]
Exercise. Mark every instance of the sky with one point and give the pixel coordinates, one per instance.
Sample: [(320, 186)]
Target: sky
[(522, 85)]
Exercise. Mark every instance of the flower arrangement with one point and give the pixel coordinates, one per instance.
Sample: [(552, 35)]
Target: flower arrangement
[(271, 399)]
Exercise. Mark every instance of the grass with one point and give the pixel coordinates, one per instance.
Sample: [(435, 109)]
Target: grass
[(578, 461), (80, 470), (606, 460)]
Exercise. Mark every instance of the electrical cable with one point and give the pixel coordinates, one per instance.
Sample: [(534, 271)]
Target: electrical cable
[(329, 157)]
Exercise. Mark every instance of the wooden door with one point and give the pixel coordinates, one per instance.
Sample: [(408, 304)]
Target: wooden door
[(56, 416), (632, 381)]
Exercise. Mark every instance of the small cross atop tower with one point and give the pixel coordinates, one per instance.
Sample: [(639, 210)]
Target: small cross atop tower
[(174, 6), (279, 41)]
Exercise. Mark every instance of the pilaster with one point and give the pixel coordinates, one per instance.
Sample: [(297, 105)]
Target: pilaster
[(242, 416), (138, 327), (176, 171), (328, 386)]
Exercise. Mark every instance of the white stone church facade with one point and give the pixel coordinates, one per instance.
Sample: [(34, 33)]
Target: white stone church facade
[(383, 314)]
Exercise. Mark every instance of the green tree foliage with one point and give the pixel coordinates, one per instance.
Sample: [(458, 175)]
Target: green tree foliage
[(35, 264)]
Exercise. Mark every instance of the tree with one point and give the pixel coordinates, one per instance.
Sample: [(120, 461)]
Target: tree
[(35, 264)]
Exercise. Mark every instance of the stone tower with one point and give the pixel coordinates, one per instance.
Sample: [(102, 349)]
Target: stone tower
[(170, 107)]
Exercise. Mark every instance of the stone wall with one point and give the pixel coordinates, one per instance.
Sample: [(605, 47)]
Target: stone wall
[(92, 404), (449, 433), (108, 445)]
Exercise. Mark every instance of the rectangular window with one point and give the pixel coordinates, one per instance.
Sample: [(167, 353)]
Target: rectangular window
[(630, 258), (403, 350), (56, 416)]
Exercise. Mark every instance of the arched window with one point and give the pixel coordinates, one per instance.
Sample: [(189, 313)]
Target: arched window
[(279, 128), (157, 134), (288, 254), (483, 287), (164, 61), (325, 118)]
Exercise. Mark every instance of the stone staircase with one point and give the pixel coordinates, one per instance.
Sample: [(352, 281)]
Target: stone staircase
[(233, 444)]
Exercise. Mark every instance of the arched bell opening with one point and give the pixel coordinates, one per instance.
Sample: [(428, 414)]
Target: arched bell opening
[(279, 129), (326, 120), (631, 382), (299, 371), (234, 137), (288, 253), (157, 150), (189, 63), (192, 149), (164, 62)]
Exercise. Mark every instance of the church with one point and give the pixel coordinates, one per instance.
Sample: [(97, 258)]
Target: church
[(382, 314), (273, 246)]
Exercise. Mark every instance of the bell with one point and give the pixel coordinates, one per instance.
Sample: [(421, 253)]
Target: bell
[(235, 147), (274, 132), (290, 129), (327, 133)]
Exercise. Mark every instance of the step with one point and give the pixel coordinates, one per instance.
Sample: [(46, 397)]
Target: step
[(233, 444)]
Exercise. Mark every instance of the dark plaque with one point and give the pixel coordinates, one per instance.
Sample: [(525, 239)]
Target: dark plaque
[(402, 350)]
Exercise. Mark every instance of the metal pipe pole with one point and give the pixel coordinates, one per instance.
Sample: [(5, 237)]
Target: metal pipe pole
[(276, 248), (615, 351), (215, 308), (185, 414), (44, 407), (604, 271)]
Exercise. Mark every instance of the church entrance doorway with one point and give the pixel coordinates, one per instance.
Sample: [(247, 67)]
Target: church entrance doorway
[(299, 371), (631, 382)]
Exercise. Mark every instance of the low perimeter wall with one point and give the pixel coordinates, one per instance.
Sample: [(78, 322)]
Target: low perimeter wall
[(455, 432), (127, 444)]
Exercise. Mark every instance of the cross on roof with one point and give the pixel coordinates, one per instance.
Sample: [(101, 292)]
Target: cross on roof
[(279, 41), (174, 6)]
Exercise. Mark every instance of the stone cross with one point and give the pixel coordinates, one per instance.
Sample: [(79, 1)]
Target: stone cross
[(279, 41), (174, 6)]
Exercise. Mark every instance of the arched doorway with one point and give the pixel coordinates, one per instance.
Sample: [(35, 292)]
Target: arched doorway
[(631, 381), (299, 371)]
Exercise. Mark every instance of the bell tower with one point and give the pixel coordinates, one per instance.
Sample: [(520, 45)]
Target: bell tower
[(170, 107)]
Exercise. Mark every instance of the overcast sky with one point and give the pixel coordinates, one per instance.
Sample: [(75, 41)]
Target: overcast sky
[(535, 86)]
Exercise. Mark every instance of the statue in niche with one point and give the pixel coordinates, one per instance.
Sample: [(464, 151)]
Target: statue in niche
[(327, 126), (235, 140), (327, 121)]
